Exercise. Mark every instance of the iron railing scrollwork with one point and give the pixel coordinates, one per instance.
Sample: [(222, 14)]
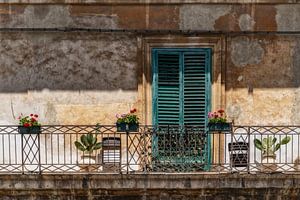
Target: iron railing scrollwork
[(153, 149)]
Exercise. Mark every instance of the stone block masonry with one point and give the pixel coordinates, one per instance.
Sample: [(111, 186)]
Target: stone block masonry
[(151, 186)]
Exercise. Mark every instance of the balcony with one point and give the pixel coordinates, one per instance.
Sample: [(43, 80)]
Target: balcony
[(151, 150)]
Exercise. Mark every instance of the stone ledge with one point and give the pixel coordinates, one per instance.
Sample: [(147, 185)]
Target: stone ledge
[(144, 1), (149, 181)]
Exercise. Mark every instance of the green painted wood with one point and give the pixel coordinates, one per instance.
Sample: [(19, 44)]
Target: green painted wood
[(181, 96)]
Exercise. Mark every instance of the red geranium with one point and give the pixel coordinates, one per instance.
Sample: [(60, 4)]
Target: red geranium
[(27, 121)]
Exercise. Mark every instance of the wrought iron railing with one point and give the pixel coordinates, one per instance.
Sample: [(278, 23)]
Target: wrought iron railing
[(152, 149)]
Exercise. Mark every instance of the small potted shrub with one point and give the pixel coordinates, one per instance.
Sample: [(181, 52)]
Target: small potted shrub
[(29, 124), (218, 121), (87, 144), (268, 146), (128, 122)]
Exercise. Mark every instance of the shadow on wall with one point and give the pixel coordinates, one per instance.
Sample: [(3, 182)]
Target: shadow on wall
[(67, 61)]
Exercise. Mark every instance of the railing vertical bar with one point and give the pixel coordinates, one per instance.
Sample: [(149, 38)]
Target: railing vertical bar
[(46, 153), (58, 150), (9, 150), (70, 150), (16, 152), (51, 147), (39, 154), (127, 147), (22, 153), (3, 152), (248, 150)]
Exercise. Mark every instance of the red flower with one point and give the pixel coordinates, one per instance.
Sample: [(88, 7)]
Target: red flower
[(36, 116), (31, 115), (134, 110), (221, 111), (33, 120), (131, 111), (26, 125)]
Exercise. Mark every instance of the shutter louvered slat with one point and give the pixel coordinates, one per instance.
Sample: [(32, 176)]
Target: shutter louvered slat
[(194, 89), (168, 89)]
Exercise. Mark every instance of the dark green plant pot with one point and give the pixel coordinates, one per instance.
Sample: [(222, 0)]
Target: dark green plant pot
[(124, 127), (29, 130), (219, 127)]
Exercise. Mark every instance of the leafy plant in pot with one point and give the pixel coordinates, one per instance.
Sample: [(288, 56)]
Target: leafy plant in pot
[(88, 144), (268, 146), (127, 122)]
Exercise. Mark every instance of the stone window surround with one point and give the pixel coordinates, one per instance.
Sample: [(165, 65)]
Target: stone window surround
[(217, 44)]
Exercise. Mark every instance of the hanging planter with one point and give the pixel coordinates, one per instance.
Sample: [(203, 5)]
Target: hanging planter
[(124, 127), (29, 130), (219, 126)]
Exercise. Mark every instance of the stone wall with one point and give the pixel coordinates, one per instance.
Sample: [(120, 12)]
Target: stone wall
[(151, 187), (73, 77)]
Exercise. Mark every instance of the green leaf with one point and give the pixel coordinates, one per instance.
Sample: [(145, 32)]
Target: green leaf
[(97, 146), (277, 147), (90, 138), (79, 146), (258, 144), (84, 140), (285, 140), (274, 140)]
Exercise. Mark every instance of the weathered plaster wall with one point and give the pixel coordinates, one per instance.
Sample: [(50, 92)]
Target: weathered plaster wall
[(262, 80), (224, 17), (84, 77), (67, 78)]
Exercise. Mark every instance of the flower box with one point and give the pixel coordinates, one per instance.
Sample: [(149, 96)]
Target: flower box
[(124, 127), (29, 130), (219, 127)]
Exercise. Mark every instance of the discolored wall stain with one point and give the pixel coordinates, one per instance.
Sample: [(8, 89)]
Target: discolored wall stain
[(93, 16), (130, 16), (201, 17), (288, 17), (246, 22), (264, 17), (245, 51), (163, 17), (296, 72), (265, 93)]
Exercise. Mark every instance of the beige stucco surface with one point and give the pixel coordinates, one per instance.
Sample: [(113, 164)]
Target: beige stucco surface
[(87, 77)]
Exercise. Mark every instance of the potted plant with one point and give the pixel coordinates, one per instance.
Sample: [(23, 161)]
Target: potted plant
[(128, 122), (29, 124), (218, 122), (268, 146), (87, 144)]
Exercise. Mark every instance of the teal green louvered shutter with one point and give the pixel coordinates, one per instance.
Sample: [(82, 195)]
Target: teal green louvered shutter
[(196, 87), (167, 96), (181, 96), (181, 86)]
